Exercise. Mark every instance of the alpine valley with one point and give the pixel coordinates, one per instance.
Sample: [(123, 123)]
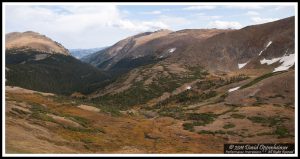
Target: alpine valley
[(186, 91)]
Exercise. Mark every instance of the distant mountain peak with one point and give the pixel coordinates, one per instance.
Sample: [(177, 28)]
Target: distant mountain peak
[(214, 49), (34, 41)]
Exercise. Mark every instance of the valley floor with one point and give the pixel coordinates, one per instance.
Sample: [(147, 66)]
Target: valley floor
[(37, 123), (46, 123)]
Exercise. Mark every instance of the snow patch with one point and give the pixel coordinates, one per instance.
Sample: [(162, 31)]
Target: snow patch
[(167, 53), (241, 65), (188, 87), (269, 62), (172, 50), (233, 89), (286, 61), (269, 43)]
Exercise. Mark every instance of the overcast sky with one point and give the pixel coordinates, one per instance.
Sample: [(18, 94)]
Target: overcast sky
[(98, 25)]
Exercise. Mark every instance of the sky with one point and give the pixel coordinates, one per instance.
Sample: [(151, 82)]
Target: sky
[(99, 25)]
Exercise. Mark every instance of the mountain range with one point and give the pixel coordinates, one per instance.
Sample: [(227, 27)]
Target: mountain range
[(186, 91), (79, 53), (217, 50)]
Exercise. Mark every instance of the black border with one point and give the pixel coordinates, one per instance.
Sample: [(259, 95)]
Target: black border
[(134, 1)]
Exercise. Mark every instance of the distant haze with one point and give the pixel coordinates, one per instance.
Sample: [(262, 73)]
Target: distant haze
[(79, 53)]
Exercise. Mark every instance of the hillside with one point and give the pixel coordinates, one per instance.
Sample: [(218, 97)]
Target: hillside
[(246, 47), (203, 54), (42, 69), (237, 84), (33, 41), (216, 50), (146, 48), (38, 122)]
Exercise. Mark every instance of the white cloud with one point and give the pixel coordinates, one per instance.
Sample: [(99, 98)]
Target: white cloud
[(204, 16), (208, 17), (166, 9), (140, 26), (252, 13), (152, 12), (200, 7), (173, 20), (71, 24), (225, 24), (244, 6), (199, 14), (259, 20), (78, 19), (281, 7)]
